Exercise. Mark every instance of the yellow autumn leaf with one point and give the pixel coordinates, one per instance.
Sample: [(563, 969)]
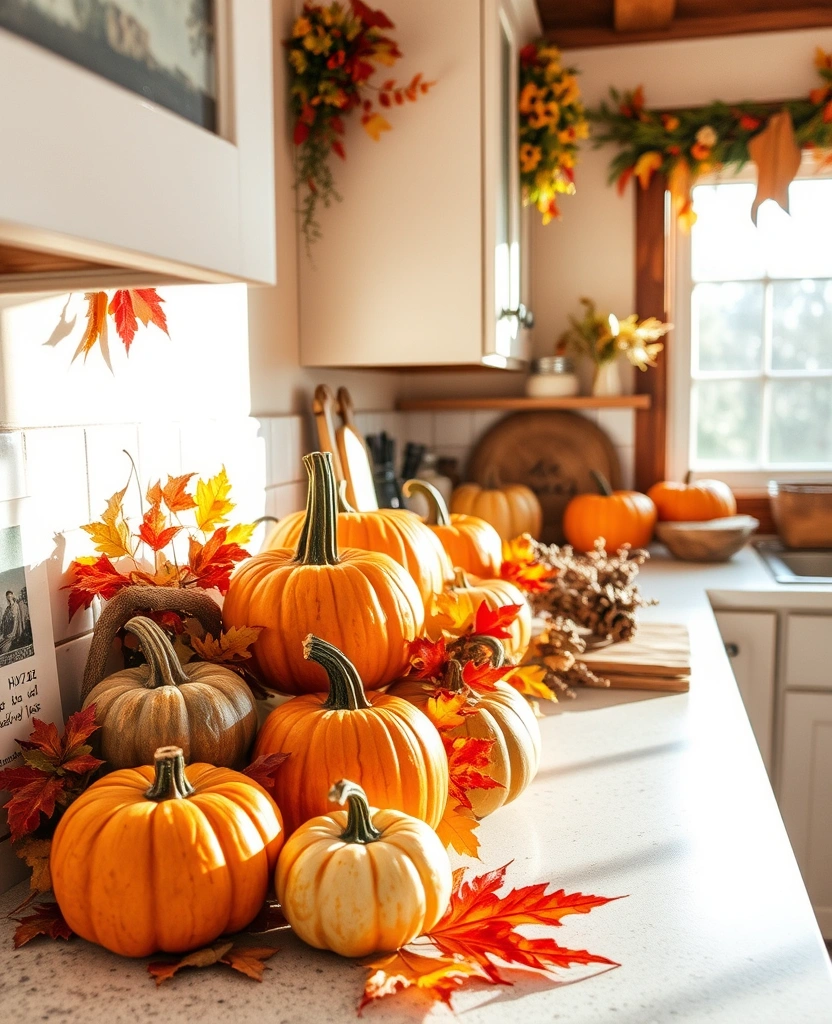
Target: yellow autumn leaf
[(457, 830), (111, 535), (530, 680), (241, 533), (447, 710), (374, 125), (451, 614), (230, 646), (646, 166), (212, 504), (519, 550)]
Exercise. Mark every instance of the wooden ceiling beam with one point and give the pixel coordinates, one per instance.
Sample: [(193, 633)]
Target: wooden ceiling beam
[(643, 15), (695, 28)]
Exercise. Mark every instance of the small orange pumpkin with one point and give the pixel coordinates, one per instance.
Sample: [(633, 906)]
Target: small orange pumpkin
[(396, 532), (693, 501), (467, 593), (361, 601), (165, 868), (512, 509), (384, 743), (472, 544), (620, 517)]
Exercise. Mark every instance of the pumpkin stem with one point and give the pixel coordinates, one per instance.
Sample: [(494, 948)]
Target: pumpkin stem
[(460, 579), (478, 648), (601, 483), (317, 544), (165, 668), (437, 509), (688, 477), (360, 828), (346, 691), (343, 500), (170, 782), (453, 676)]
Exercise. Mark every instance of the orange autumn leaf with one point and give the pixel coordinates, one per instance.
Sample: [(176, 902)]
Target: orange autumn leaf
[(777, 155), (175, 495), (520, 549), (427, 658), (124, 317), (437, 976), (247, 960), (447, 710), (155, 530), (495, 622), (646, 166), (231, 646), (374, 125), (47, 920), (532, 577), (98, 578), (111, 535), (212, 563), (212, 504), (264, 768), (147, 305), (480, 926), (482, 678), (457, 829), (96, 329), (469, 761)]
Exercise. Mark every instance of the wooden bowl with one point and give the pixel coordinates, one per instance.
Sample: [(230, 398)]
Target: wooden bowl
[(714, 540)]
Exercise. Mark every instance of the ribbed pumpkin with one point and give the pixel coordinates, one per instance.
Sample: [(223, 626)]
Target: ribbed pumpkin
[(468, 593), (166, 868), (472, 544), (205, 709), (361, 601), (620, 517), (396, 532), (511, 510), (693, 501), (363, 880), (381, 742), (502, 715)]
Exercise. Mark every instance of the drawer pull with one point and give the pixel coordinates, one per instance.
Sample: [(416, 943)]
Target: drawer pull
[(732, 650)]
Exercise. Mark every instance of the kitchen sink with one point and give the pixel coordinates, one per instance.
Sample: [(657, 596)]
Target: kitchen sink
[(796, 566)]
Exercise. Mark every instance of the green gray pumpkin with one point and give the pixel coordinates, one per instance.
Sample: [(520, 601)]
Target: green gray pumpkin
[(205, 709)]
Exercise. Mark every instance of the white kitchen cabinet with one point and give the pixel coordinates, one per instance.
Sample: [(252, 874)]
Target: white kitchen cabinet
[(806, 794), (750, 640), (422, 261), (94, 176), (808, 658)]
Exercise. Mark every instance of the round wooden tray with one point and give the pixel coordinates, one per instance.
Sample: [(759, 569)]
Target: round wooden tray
[(551, 452)]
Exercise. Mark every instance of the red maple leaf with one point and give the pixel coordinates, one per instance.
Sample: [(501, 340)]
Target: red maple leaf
[(121, 310), (428, 658), (98, 579), (483, 677), (469, 761), (46, 920), (371, 18), (147, 305), (495, 623), (154, 529), (264, 769), (213, 562), (532, 577)]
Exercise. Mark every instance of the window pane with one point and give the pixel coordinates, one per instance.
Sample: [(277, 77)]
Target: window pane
[(798, 245), (725, 243), (728, 415), (802, 327), (728, 326), (801, 421)]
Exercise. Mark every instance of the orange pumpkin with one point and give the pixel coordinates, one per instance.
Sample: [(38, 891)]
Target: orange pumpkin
[(383, 743), (361, 601), (395, 531), (692, 501), (511, 510), (472, 544), (466, 595), (170, 867), (620, 517)]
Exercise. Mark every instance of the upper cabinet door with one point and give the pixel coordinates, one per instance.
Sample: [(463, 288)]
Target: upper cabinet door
[(180, 185)]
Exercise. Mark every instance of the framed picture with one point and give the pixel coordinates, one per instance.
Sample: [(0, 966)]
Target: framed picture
[(164, 50)]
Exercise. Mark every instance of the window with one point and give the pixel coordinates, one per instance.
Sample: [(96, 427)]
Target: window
[(753, 310)]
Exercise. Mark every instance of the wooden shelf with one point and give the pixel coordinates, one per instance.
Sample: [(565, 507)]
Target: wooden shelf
[(521, 403)]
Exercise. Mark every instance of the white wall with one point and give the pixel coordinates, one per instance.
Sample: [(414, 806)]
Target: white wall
[(591, 251)]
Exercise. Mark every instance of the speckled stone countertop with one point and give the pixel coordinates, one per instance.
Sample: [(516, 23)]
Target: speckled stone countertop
[(663, 798)]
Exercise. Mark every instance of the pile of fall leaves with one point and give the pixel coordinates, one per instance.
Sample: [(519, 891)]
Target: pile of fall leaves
[(184, 539)]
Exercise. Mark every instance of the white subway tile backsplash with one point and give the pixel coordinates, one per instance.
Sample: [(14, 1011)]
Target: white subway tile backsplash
[(453, 428), (418, 427), (484, 420), (286, 498), (160, 454), (619, 424), (56, 476), (12, 465), (69, 545), (71, 657), (108, 467), (285, 450)]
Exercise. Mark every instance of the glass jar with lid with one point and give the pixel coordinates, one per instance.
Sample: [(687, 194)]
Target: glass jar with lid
[(552, 377)]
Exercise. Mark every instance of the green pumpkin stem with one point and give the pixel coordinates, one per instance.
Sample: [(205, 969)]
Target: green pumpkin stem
[(343, 500), (318, 544), (601, 483), (360, 828), (165, 667), (170, 782), (453, 676), (688, 478), (346, 691), (437, 509), (471, 647)]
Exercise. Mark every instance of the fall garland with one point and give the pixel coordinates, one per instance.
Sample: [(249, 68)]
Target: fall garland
[(683, 144)]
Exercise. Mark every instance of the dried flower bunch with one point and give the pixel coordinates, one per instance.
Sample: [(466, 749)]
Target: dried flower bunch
[(557, 650), (602, 337), (552, 122)]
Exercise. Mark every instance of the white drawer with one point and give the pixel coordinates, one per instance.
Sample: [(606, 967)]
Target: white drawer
[(809, 652)]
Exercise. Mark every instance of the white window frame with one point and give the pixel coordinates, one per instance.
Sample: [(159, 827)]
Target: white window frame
[(680, 452)]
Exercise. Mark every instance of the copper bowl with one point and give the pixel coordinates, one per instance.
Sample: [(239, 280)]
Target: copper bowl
[(802, 514)]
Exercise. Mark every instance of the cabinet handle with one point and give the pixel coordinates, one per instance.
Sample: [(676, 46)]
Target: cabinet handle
[(523, 314), (732, 650)]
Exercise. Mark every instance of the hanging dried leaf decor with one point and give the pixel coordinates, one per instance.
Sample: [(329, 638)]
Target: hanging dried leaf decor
[(777, 155)]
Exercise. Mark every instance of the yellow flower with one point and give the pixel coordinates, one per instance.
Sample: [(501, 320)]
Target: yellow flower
[(567, 160), (581, 129), (302, 27), (670, 122), (297, 58), (567, 90), (528, 97), (646, 166), (529, 157), (568, 135)]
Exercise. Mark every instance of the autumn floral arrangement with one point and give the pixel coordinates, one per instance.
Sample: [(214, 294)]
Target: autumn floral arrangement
[(454, 701), (682, 144), (552, 122), (602, 337), (334, 51)]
